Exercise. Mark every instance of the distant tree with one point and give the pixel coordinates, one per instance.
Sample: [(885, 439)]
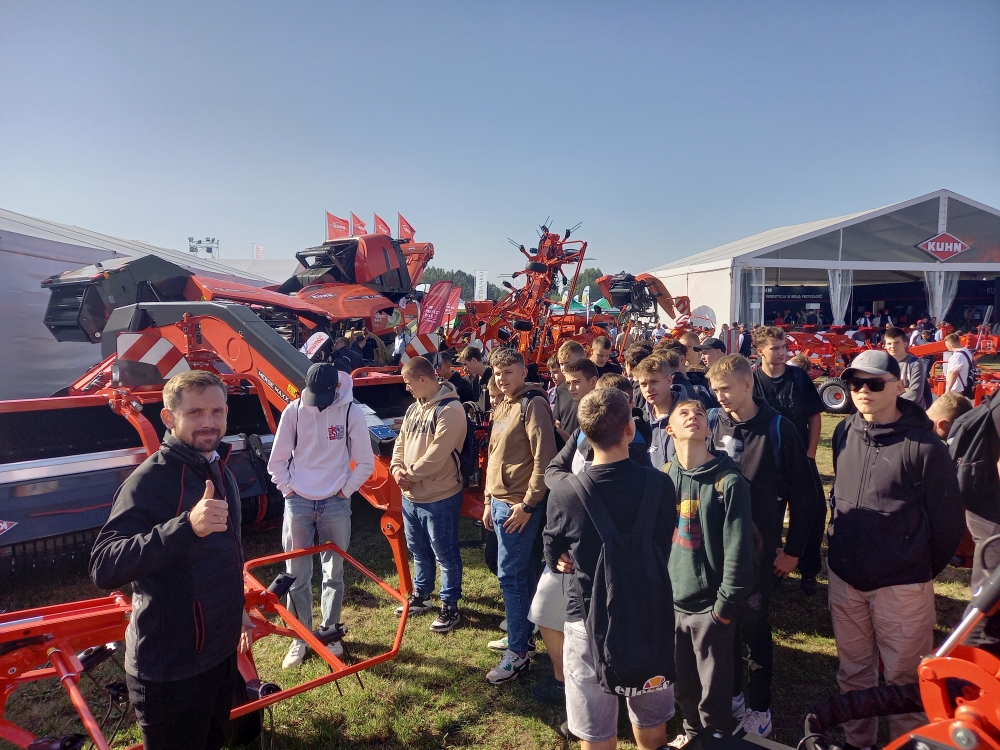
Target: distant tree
[(588, 277), (467, 281)]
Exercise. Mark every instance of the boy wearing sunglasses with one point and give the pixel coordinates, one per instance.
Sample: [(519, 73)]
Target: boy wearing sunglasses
[(897, 520)]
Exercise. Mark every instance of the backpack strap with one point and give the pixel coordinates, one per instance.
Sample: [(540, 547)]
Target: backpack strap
[(583, 485), (648, 508), (775, 429)]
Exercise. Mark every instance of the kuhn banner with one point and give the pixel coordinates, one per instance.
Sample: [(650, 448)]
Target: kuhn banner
[(336, 227), (358, 227), (432, 307), (381, 227), (405, 229)]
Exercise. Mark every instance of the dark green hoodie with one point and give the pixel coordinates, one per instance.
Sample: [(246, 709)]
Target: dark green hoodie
[(711, 560)]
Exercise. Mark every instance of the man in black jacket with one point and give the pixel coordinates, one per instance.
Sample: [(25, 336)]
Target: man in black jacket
[(174, 534), (897, 520), (772, 459)]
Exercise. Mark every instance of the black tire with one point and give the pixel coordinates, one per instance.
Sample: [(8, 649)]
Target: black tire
[(835, 397), (535, 266), (522, 325)]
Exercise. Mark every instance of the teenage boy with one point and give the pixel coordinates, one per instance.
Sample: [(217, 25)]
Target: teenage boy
[(946, 408), (573, 544), (555, 377), (319, 437), (791, 392), (772, 459), (711, 351), (478, 374), (911, 369), (711, 570), (399, 344), (654, 377), (426, 469), (632, 357), (897, 520), (600, 355), (959, 366), (522, 443), (564, 410), (445, 371)]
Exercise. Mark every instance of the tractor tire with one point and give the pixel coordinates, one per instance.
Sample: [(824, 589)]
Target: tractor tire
[(532, 265), (835, 397), (522, 325)]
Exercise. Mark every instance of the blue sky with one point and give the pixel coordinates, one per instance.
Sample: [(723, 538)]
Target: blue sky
[(666, 128)]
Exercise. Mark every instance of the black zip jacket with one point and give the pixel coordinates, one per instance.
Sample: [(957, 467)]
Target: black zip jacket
[(897, 512), (752, 446), (187, 591)]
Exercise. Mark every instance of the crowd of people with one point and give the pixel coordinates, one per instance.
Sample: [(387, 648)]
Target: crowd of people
[(675, 474)]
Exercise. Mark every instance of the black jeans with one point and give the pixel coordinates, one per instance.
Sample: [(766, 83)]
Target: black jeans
[(189, 714), (987, 633), (811, 562), (754, 634)]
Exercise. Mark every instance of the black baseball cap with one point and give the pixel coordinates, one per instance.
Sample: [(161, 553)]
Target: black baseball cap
[(711, 343), (321, 385)]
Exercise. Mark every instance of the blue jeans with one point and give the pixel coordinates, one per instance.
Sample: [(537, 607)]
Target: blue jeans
[(517, 572), (432, 534), (303, 522)]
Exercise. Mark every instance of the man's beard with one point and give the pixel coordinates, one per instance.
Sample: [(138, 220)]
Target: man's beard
[(203, 441)]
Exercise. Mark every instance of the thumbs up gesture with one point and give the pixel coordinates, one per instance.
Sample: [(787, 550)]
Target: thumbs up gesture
[(209, 515)]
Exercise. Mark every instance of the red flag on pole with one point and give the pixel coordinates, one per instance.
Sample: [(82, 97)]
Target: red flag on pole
[(451, 307), (358, 227), (336, 227), (381, 227), (405, 230), (432, 307)]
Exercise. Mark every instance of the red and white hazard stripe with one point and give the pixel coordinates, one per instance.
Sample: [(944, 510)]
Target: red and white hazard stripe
[(152, 349), (425, 343)]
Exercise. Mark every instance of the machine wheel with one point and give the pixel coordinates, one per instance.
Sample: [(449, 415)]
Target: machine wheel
[(535, 266), (522, 325), (835, 397)]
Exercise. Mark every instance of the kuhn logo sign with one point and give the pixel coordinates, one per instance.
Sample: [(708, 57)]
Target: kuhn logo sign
[(943, 246)]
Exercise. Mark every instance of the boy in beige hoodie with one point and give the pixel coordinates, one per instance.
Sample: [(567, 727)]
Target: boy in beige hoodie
[(425, 465)]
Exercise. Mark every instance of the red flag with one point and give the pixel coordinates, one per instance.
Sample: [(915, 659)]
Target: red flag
[(451, 307), (405, 230), (336, 227), (381, 227), (432, 307), (358, 227)]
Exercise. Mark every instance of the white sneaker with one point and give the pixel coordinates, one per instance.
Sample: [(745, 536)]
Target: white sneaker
[(755, 723), (739, 706), (679, 741), (336, 648), (510, 666), (296, 654)]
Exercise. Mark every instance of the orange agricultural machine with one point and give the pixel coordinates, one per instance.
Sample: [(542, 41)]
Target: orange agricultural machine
[(527, 319)]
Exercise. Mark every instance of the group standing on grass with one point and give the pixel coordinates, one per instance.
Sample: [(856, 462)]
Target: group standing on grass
[(670, 482)]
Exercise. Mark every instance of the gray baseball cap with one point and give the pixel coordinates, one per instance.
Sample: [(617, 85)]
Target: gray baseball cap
[(874, 362)]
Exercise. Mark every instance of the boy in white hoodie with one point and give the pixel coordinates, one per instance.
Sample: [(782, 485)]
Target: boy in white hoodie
[(318, 437)]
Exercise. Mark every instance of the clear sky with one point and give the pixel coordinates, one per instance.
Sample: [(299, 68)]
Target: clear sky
[(667, 128)]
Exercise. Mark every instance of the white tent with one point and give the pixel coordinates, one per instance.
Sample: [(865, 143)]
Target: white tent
[(869, 247), (32, 362)]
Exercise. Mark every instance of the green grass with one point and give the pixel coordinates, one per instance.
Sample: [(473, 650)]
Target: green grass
[(434, 695)]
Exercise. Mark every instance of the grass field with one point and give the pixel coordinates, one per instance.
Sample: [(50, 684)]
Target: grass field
[(434, 695)]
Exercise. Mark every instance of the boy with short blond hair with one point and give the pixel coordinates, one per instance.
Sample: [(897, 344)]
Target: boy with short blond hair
[(948, 407), (653, 376), (772, 459), (711, 570), (564, 406)]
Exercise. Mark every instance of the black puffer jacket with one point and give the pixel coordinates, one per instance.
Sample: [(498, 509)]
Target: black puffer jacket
[(187, 591), (897, 513)]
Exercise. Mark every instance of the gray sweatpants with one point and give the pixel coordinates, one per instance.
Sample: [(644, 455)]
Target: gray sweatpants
[(703, 654)]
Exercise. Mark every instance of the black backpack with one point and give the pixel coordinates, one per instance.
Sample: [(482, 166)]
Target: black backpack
[(468, 454), (630, 622), (969, 391), (975, 446)]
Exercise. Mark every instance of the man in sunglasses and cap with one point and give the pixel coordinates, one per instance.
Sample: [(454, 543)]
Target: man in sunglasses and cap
[(318, 437), (897, 520)]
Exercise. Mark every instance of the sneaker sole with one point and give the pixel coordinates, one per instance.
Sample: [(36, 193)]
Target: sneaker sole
[(513, 676), (447, 628)]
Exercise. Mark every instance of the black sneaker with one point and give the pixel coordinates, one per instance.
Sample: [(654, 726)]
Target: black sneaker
[(564, 732), (447, 619), (808, 586), (552, 692), (418, 605)]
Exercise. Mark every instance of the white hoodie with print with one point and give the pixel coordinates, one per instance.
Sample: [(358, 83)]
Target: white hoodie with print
[(312, 451)]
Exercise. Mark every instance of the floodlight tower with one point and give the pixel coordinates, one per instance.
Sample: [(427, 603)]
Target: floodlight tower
[(210, 245)]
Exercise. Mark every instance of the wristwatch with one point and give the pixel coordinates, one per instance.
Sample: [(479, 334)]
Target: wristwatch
[(527, 508)]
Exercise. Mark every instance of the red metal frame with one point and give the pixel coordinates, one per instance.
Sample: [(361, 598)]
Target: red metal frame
[(55, 634)]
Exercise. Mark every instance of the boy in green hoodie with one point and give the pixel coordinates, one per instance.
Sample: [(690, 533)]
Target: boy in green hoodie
[(711, 570)]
